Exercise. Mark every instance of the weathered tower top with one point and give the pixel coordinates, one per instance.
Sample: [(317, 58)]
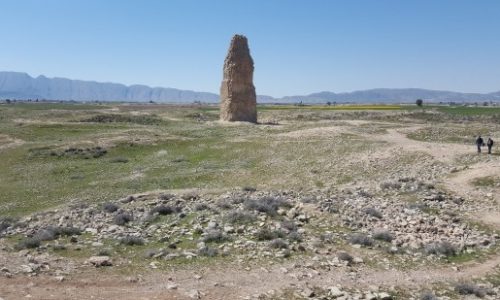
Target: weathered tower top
[(237, 92)]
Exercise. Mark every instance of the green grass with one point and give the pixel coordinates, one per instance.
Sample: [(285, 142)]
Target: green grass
[(469, 110), (178, 154), (327, 107)]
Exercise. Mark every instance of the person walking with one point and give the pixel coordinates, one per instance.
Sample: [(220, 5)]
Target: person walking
[(479, 143), (489, 143)]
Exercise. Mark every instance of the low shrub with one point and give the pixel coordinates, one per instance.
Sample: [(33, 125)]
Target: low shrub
[(69, 231), (119, 159), (123, 218), (104, 252), (464, 288), (383, 235), (201, 207), (441, 248), (215, 236), (110, 207), (390, 185), (373, 212), (118, 118), (164, 210), (278, 244), (265, 234), (428, 296), (239, 217), (208, 252), (289, 225), (6, 223), (268, 205), (294, 236), (224, 204), (344, 256), (132, 241), (361, 239), (28, 243)]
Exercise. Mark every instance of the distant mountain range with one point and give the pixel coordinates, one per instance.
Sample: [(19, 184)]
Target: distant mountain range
[(15, 85)]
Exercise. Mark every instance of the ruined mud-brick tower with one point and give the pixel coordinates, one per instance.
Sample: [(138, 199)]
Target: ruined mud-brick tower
[(237, 93)]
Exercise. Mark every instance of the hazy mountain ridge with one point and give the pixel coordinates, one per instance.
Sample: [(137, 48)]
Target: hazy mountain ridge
[(393, 96), (22, 86), (16, 85)]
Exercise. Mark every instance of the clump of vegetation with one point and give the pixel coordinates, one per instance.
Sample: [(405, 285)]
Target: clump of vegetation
[(215, 236), (390, 185), (166, 197), (249, 189), (28, 243), (344, 256), (119, 159), (289, 225), (51, 233), (123, 218), (278, 244), (85, 153), (132, 241), (428, 296), (267, 205), (294, 236), (239, 217), (164, 210), (371, 211), (201, 207), (383, 235), (361, 239), (464, 288), (46, 234), (104, 252), (6, 223), (265, 234), (224, 204), (419, 206), (117, 118), (441, 248), (69, 231), (110, 207), (238, 200), (207, 251), (58, 247)]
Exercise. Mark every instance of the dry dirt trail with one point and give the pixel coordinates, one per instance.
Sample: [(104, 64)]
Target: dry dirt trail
[(9, 142), (439, 151)]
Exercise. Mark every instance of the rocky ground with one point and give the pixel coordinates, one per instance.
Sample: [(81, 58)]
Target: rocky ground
[(412, 224)]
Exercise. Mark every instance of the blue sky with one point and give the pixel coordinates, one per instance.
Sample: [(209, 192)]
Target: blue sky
[(299, 47)]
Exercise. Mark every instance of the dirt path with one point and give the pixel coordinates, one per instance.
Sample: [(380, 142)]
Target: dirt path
[(439, 151), (9, 142), (228, 282)]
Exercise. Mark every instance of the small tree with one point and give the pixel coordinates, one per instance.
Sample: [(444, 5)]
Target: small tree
[(419, 102), (328, 103)]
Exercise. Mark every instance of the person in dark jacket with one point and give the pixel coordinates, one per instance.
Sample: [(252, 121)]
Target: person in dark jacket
[(489, 143), (479, 143)]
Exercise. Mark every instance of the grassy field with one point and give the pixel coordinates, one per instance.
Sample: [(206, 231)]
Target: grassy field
[(55, 153)]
